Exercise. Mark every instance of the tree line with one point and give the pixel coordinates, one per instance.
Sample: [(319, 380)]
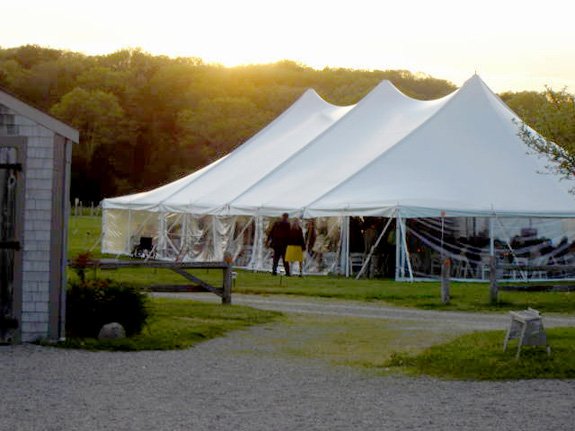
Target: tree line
[(145, 120)]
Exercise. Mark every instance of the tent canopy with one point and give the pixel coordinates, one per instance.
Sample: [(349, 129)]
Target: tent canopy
[(209, 190), (460, 155)]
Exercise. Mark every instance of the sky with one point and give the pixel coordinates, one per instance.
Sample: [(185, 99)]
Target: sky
[(513, 45)]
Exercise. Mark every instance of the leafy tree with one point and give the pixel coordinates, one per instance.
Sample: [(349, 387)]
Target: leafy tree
[(95, 113), (99, 118), (552, 114), (46, 82), (103, 78), (527, 104), (30, 55), (222, 123), (10, 73)]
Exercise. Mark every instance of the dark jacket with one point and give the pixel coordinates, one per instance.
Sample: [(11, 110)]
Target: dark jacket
[(296, 237), (280, 234)]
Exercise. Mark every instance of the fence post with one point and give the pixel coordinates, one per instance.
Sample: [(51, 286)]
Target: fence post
[(493, 286), (445, 281), (227, 288)]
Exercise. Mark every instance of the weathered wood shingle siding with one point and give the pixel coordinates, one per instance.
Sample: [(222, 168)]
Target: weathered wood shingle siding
[(42, 239)]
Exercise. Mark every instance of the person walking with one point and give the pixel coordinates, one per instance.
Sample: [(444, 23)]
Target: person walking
[(296, 245), (278, 240)]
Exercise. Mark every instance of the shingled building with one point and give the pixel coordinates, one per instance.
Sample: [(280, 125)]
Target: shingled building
[(35, 158)]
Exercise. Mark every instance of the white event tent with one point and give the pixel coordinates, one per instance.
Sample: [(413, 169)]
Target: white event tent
[(448, 177)]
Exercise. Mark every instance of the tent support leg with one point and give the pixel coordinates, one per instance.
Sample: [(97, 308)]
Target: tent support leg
[(397, 249), (342, 260), (401, 249), (373, 248)]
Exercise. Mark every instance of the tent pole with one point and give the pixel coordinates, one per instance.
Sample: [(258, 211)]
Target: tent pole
[(406, 251), (229, 237), (240, 236), (344, 246), (398, 270), (169, 242), (161, 245), (508, 238), (184, 242), (255, 261), (373, 248), (250, 263), (129, 237), (347, 248), (491, 237), (216, 245)]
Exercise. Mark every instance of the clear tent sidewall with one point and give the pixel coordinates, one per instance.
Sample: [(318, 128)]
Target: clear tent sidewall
[(417, 245), (525, 248), (190, 237)]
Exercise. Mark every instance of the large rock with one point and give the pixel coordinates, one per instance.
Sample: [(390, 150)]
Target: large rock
[(112, 330)]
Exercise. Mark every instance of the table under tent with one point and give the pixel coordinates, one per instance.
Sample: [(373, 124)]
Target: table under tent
[(391, 186)]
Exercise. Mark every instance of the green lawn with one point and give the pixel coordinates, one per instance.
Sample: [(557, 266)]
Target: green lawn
[(84, 235), (480, 356), (379, 346), (176, 324)]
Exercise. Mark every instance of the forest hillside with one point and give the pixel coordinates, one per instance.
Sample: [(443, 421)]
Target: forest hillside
[(145, 120)]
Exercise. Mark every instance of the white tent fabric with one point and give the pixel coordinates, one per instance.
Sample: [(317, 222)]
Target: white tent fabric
[(387, 156), (465, 160), (460, 154), (372, 127), (209, 190)]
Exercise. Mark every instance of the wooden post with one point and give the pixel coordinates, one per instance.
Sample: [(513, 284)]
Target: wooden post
[(227, 294), (445, 281), (493, 286)]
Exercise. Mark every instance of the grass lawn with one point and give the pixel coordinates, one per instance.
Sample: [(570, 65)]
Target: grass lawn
[(480, 356), (84, 235), (379, 346), (176, 324), (416, 348)]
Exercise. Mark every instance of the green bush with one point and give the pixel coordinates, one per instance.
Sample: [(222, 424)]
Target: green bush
[(93, 303)]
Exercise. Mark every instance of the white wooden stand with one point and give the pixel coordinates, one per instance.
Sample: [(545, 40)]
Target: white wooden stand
[(527, 327)]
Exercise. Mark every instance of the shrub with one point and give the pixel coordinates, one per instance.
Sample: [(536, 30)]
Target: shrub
[(93, 303), (80, 264)]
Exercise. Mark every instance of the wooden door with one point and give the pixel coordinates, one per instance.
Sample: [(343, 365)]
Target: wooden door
[(9, 245)]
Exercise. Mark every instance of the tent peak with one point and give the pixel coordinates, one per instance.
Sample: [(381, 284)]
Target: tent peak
[(475, 79), (310, 96), (387, 88)]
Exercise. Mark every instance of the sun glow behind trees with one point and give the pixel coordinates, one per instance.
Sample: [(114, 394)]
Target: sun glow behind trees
[(509, 42)]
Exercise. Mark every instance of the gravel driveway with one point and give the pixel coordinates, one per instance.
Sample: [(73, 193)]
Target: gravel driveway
[(234, 383)]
